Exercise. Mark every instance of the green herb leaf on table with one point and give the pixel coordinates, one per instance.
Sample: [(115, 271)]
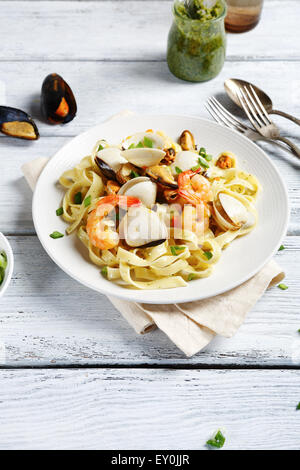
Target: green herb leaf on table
[(56, 235), (59, 211), (282, 286), (218, 441), (298, 406), (282, 247), (78, 198)]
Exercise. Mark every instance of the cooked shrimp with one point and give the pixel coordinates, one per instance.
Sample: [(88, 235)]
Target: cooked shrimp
[(195, 219), (99, 228), (193, 187)]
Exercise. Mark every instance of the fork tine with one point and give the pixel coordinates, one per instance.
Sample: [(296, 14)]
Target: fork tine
[(244, 103), (230, 116), (253, 101), (219, 117), (260, 104)]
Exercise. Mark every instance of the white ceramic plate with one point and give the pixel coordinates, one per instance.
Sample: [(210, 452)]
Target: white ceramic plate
[(4, 245), (240, 261)]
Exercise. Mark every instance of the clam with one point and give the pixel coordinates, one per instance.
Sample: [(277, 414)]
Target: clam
[(143, 157), (231, 214), (57, 101), (17, 123), (144, 139), (142, 188), (109, 160), (142, 227), (184, 160), (162, 174)]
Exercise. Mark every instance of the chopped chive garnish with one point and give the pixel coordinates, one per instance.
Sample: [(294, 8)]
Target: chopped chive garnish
[(104, 271), (195, 168), (208, 254), (282, 247), (203, 162), (175, 248), (56, 235), (178, 170), (208, 158), (298, 406), (131, 146), (139, 145), (148, 142), (78, 198), (202, 150), (59, 211), (218, 440), (134, 174), (100, 148), (191, 276), (87, 201), (282, 286)]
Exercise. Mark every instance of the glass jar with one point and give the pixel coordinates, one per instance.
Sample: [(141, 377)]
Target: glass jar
[(196, 47), (242, 15)]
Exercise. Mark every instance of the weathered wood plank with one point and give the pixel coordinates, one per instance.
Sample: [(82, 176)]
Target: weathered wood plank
[(47, 318), (83, 30), (132, 409)]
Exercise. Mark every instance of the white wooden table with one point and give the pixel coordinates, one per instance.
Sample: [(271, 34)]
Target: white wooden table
[(74, 374)]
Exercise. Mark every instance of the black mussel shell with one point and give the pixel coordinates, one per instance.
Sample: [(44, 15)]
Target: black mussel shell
[(107, 171), (154, 243), (17, 123), (57, 102)]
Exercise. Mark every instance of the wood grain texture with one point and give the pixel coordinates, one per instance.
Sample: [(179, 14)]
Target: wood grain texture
[(97, 30), (48, 318), (132, 409)]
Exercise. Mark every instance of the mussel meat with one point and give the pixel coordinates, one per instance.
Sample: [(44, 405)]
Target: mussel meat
[(162, 174), (17, 123), (57, 101)]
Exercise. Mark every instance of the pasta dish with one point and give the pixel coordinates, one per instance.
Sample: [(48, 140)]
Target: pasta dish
[(154, 213)]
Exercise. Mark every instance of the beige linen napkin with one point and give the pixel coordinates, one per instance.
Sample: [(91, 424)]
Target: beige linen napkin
[(192, 325)]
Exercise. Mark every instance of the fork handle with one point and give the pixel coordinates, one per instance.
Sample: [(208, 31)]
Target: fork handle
[(285, 115), (293, 147)]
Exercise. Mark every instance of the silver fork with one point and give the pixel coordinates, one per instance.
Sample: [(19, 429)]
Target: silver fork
[(224, 117), (260, 119)]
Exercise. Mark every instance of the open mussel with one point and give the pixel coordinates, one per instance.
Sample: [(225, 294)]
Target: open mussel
[(57, 101), (17, 123)]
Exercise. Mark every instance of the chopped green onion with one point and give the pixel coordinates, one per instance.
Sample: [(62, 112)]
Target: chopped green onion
[(131, 146), (191, 276), (78, 198), (218, 440), (56, 235), (176, 248), (299, 330), (282, 286), (282, 247), (298, 406), (178, 170), (203, 162), (148, 142), (59, 211), (134, 174), (139, 145), (3, 259), (195, 168), (202, 150), (104, 271), (87, 201), (208, 158), (208, 254), (100, 148)]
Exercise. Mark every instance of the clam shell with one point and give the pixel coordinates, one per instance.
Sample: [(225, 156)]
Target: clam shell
[(142, 188), (237, 214), (141, 227), (143, 157), (184, 160), (112, 157), (158, 141)]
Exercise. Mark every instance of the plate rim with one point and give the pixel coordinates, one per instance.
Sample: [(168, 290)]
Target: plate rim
[(193, 297)]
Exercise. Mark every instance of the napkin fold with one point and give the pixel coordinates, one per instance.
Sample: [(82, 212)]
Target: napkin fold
[(192, 325)]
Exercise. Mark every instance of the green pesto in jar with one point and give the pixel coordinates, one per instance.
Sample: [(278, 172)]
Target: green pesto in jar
[(197, 40)]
